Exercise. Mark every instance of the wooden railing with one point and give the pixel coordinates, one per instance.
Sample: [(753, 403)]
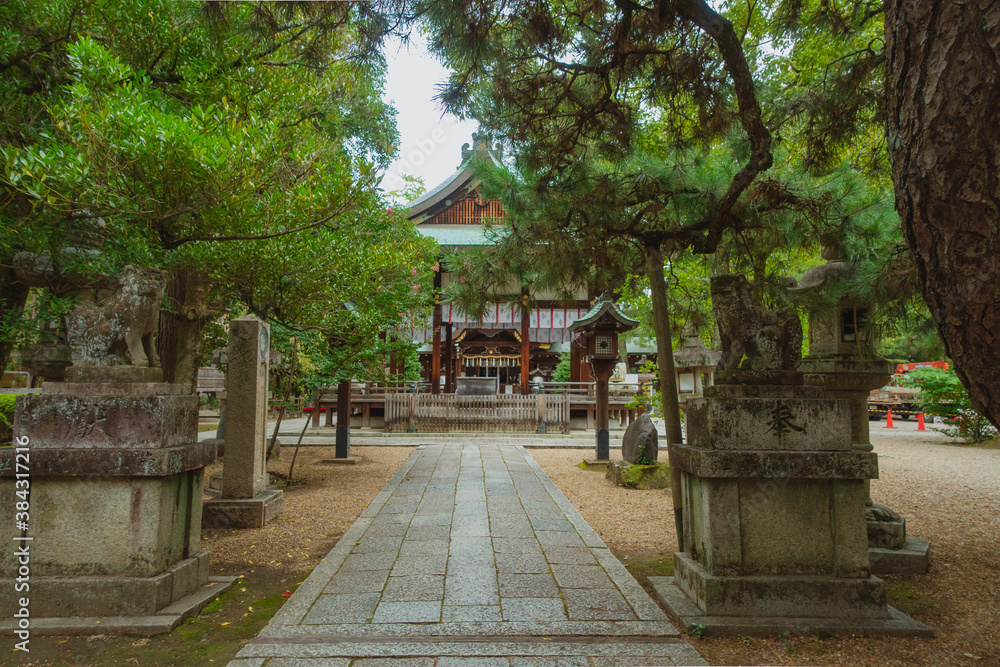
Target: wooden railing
[(496, 414), (550, 405)]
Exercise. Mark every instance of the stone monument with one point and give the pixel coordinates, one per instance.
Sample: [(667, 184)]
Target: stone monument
[(115, 471), (773, 535), (841, 359), (245, 502), (640, 442)]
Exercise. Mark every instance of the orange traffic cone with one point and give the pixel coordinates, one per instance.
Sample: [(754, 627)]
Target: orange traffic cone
[(888, 419), (920, 422)]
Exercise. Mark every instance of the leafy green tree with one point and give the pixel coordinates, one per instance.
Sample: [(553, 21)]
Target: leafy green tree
[(942, 395), (562, 369), (232, 144), (908, 89), (640, 133), (411, 188)]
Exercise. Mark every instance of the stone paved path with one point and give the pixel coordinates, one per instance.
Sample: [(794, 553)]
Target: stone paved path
[(469, 556)]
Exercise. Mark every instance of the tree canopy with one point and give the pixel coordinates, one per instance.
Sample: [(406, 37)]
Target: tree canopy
[(238, 145), (573, 85)]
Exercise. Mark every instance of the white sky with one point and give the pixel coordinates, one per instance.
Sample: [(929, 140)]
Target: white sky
[(430, 144)]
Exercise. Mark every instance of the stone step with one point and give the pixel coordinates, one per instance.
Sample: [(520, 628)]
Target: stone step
[(601, 651)]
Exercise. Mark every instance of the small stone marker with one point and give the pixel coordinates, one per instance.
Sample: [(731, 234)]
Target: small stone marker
[(245, 475), (640, 441), (245, 501)]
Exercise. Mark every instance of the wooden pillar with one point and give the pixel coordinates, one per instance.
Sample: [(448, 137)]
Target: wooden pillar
[(449, 385), (436, 343), (603, 370), (575, 360), (584, 368), (343, 443), (525, 348)]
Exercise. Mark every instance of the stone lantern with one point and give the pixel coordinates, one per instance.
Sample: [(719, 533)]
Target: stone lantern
[(842, 360), (601, 325), (841, 356)]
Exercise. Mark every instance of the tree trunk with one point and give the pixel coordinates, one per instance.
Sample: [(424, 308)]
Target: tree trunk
[(13, 296), (179, 337), (943, 88), (194, 315), (167, 331), (665, 369)]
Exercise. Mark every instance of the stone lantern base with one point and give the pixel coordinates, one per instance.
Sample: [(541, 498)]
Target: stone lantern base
[(890, 551)]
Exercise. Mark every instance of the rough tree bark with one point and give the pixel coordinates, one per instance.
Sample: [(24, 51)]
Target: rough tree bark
[(193, 317), (179, 335), (665, 369), (943, 87), (13, 296), (167, 331)]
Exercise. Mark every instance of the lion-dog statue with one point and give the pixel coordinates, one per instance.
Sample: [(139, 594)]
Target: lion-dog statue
[(767, 340), (119, 329)]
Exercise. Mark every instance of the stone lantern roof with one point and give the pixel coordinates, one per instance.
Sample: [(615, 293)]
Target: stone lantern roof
[(692, 353), (604, 308)]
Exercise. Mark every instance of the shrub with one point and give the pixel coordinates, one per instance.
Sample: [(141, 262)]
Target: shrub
[(942, 395), (7, 402), (562, 369)]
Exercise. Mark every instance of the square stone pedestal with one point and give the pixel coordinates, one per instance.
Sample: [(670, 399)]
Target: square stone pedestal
[(344, 460), (913, 557), (774, 534), (113, 532), (253, 512)]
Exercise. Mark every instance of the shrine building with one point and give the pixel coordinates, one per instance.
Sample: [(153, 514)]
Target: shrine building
[(517, 346)]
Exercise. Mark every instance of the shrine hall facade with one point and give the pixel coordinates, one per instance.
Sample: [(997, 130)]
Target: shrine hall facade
[(517, 346)]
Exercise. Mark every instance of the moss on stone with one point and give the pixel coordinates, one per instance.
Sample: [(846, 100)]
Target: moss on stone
[(631, 476)]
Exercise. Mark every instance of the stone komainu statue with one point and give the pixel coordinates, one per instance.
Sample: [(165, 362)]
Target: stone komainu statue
[(768, 340), (104, 333)]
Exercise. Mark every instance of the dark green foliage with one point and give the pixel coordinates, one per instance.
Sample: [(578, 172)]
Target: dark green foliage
[(7, 404), (240, 141), (562, 370), (942, 395)]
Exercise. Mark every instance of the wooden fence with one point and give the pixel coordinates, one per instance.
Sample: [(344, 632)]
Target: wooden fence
[(500, 413)]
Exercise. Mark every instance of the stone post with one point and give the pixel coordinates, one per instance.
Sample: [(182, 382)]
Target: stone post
[(246, 501), (343, 448), (220, 430), (245, 475)]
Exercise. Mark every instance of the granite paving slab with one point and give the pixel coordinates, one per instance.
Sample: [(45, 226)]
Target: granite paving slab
[(469, 556)]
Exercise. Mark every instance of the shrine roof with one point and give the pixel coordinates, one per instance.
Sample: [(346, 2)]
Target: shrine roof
[(456, 186)]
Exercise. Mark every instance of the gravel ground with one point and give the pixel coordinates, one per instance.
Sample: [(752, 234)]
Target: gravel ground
[(949, 496), (316, 511)]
